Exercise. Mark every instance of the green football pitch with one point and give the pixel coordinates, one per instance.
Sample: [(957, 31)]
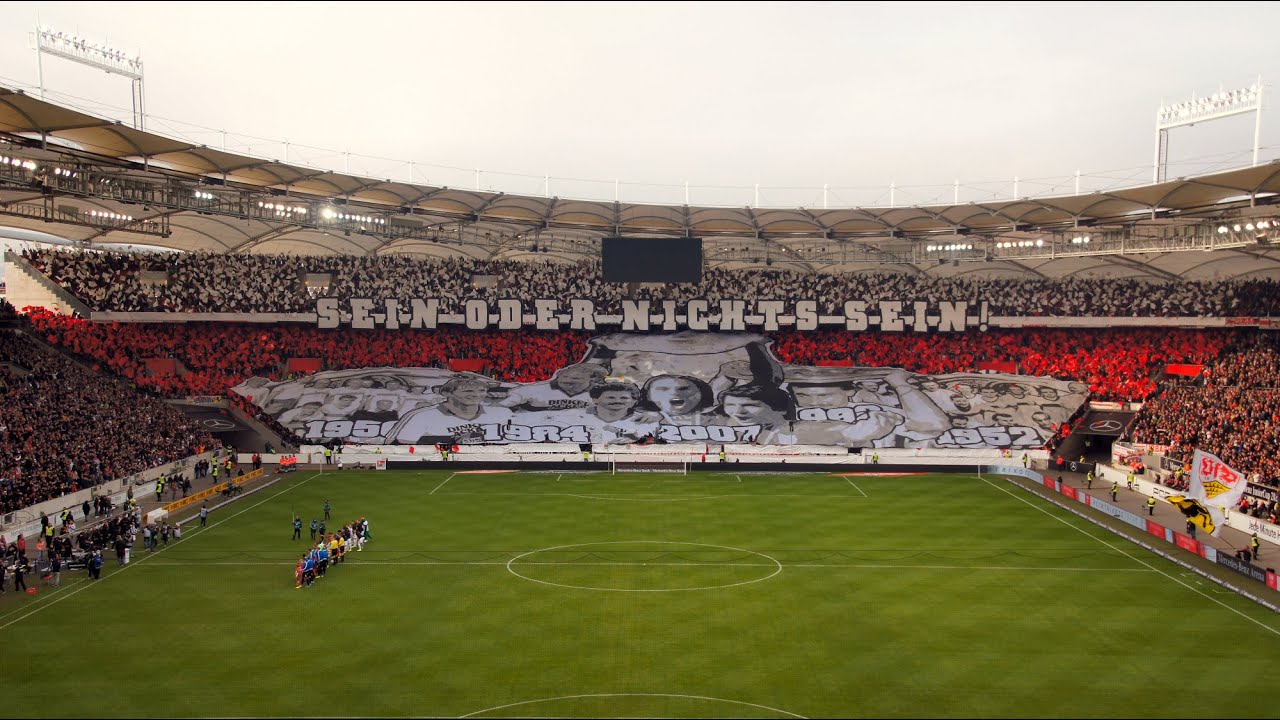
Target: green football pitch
[(644, 595)]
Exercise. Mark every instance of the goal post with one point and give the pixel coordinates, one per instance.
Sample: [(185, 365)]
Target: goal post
[(674, 467)]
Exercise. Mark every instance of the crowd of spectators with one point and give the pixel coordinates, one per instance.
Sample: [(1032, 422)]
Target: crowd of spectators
[(207, 282), (63, 428), (1253, 361), (1235, 414), (1116, 364), (218, 356)]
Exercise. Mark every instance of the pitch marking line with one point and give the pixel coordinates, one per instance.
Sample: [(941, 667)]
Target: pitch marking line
[(1135, 559), (856, 566), (615, 496), (855, 487), (433, 492), (143, 559), (616, 695), (51, 593), (772, 563)]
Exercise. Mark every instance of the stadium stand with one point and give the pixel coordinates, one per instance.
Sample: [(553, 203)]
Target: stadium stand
[(1116, 364), (217, 357), (1235, 415), (205, 282), (63, 428)]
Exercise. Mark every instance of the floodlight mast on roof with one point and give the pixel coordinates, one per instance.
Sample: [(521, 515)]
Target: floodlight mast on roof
[(1221, 104), (109, 60)]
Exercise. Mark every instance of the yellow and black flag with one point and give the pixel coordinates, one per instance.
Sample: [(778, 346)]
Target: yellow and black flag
[(1194, 511)]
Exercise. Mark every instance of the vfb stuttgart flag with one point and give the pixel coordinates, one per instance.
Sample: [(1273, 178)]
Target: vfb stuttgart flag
[(1216, 486)]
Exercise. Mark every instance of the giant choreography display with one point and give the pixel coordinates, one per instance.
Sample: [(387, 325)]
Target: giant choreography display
[(685, 387)]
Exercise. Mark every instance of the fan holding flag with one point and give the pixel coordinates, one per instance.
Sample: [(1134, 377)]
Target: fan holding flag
[(1215, 486)]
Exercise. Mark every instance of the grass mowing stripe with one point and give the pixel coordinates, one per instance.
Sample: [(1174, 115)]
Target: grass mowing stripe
[(1138, 560), (147, 557)]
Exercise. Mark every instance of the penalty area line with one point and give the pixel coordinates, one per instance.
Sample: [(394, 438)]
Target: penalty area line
[(433, 492), (855, 487)]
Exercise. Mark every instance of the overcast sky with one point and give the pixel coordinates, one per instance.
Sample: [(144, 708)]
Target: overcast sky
[(726, 95)]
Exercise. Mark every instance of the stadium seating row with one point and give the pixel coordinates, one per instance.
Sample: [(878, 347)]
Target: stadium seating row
[(206, 282)]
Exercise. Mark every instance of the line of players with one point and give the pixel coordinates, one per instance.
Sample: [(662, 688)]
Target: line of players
[(330, 550)]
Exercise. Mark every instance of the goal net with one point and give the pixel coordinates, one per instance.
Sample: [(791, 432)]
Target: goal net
[(677, 467)]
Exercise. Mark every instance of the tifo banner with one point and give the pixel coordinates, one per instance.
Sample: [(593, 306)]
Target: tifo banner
[(1214, 489), (644, 315), (685, 387)]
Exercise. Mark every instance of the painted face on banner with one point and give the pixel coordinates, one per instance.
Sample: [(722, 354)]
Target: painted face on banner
[(746, 411), (820, 396), (637, 358), (675, 395), (302, 415), (578, 378), (632, 366), (468, 394), (616, 401), (679, 375)]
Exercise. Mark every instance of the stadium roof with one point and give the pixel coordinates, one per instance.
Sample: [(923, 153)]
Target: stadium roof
[(485, 224)]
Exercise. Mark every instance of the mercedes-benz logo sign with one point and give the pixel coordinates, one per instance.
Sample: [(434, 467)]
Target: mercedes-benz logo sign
[(217, 424), (1104, 426)]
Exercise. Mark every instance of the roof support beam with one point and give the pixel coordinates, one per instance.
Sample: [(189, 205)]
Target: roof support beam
[(1146, 267)]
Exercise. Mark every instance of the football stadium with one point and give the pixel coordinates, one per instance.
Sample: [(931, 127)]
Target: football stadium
[(284, 440)]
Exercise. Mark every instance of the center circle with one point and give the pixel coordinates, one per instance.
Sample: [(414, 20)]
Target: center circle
[(644, 566)]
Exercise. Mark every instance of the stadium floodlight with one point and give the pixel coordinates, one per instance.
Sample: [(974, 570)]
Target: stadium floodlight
[(80, 50), (1222, 104), (282, 210), (104, 216), (1222, 229)]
